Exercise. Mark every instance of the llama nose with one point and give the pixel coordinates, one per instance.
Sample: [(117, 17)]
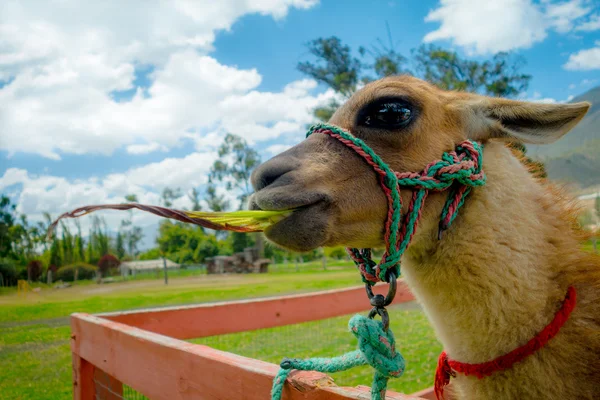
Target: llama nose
[(273, 172)]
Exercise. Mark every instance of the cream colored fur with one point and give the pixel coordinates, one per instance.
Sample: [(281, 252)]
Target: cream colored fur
[(497, 278)]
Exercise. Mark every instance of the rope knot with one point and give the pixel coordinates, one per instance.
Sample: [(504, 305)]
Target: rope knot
[(377, 346)]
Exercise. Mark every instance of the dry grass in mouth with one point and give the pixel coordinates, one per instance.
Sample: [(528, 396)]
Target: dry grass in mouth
[(239, 221)]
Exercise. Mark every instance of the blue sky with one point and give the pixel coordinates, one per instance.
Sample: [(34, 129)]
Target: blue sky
[(102, 100)]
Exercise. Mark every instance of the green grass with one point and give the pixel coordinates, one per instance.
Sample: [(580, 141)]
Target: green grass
[(414, 339), (35, 359)]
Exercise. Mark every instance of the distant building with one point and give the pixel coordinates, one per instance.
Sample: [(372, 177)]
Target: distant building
[(131, 267)]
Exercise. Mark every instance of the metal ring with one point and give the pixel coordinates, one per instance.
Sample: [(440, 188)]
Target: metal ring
[(382, 312), (391, 290)]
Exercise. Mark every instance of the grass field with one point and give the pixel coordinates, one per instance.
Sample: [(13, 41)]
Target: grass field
[(35, 357)]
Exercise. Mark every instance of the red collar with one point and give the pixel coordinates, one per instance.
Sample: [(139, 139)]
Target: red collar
[(448, 367)]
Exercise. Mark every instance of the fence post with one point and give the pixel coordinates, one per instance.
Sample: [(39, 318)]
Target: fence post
[(165, 269), (83, 379)]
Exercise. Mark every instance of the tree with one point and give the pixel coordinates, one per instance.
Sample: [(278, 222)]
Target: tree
[(184, 243), (215, 201), (120, 246), (7, 220), (335, 65), (131, 235), (55, 257), (386, 60), (234, 167), (169, 195), (499, 76), (106, 263), (337, 68), (194, 197)]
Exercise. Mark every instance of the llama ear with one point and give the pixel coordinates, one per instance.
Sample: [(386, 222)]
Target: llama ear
[(527, 122)]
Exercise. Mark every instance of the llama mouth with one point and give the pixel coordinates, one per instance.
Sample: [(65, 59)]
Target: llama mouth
[(305, 228), (286, 199)]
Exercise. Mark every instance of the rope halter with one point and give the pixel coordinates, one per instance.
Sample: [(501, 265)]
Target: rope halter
[(457, 171)]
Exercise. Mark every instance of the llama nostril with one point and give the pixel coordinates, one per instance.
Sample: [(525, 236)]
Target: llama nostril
[(273, 170)]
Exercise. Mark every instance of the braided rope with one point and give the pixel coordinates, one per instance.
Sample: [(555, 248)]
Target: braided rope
[(376, 347), (457, 171)]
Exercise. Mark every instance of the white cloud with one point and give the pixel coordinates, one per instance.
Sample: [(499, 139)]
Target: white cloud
[(487, 26), (277, 148), (67, 59), (56, 195), (592, 25), (587, 59), (145, 148), (483, 27), (562, 15)]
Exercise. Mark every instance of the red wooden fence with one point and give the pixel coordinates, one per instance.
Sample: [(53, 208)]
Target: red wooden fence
[(143, 349)]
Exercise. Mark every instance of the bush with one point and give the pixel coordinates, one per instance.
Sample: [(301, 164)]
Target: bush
[(34, 270), (84, 271), (9, 272), (336, 252), (108, 262)]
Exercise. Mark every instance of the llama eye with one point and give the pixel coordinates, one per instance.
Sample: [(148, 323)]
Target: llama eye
[(387, 115)]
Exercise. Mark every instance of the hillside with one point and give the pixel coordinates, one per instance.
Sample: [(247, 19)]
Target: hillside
[(575, 158)]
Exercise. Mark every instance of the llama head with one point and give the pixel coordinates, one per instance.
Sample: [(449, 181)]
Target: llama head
[(408, 123)]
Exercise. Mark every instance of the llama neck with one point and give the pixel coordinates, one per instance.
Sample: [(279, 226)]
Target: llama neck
[(489, 285)]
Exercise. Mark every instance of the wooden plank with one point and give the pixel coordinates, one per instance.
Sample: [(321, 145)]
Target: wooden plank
[(240, 316), (83, 379), (428, 394), (107, 387), (164, 368)]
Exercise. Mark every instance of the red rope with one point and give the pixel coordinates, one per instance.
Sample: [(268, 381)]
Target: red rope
[(448, 368)]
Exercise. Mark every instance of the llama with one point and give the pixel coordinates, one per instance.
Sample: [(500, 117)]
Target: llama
[(501, 271)]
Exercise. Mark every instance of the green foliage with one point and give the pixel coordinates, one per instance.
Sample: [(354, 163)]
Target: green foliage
[(335, 65), (215, 201), (239, 241), (234, 167), (169, 195), (184, 244), (84, 271), (194, 196), (335, 252), (132, 235), (499, 76), (120, 246), (9, 272), (55, 253), (151, 254), (7, 220)]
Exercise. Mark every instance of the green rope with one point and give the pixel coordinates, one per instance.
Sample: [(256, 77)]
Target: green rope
[(376, 348)]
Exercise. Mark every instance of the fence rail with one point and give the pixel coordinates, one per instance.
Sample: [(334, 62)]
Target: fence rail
[(144, 351)]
